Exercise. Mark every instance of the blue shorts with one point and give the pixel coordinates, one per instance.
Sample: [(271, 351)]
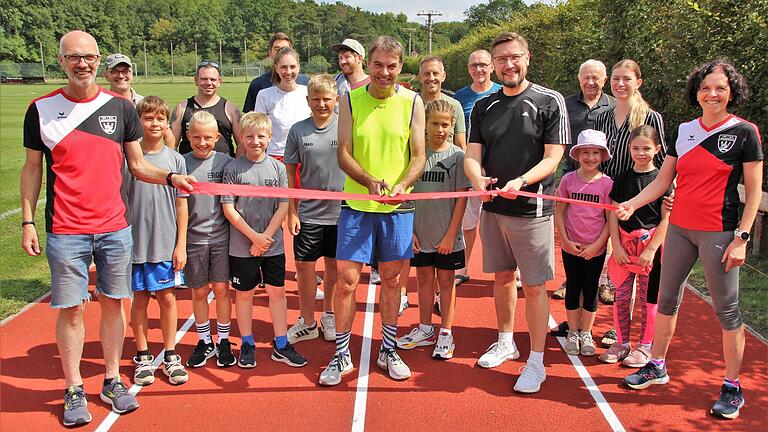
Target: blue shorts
[(155, 276), (363, 235), (69, 256)]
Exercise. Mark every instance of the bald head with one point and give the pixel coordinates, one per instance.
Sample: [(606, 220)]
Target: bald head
[(78, 41), (79, 59)]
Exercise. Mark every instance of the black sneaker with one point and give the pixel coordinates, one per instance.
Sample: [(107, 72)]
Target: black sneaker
[(201, 354), (224, 355), (75, 407), (730, 402), (609, 338), (289, 356), (647, 375), (247, 356)]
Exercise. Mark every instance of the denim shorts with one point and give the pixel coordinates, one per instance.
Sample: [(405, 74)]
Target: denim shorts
[(363, 236), (70, 255)]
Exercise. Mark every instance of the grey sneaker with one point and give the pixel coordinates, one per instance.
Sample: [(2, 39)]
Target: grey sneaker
[(572, 343), (328, 324), (390, 361), (375, 278), (587, 343), (144, 373), (339, 366), (75, 407), (175, 371), (116, 394)]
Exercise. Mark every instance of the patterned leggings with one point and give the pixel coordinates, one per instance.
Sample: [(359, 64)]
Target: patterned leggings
[(647, 289)]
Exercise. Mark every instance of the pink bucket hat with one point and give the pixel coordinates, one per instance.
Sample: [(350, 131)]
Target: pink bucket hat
[(591, 138)]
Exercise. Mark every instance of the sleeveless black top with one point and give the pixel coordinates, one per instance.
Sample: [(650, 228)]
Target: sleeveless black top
[(224, 144)]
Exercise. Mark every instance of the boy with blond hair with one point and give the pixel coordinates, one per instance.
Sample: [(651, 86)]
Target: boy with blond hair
[(208, 244), (311, 147), (256, 250), (159, 221)]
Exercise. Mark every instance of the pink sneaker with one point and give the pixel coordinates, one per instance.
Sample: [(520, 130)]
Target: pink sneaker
[(616, 353), (638, 358)]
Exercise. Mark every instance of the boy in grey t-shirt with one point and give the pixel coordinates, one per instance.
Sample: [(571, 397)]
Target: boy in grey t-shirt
[(159, 227), (208, 244), (311, 145), (256, 240), (437, 236)]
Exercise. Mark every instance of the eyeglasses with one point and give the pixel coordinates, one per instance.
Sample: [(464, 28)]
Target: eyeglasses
[(514, 58), (206, 63), (481, 66), (75, 58), (125, 72)]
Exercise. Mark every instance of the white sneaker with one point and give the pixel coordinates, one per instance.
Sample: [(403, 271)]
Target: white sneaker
[(403, 304), (416, 338), (390, 361), (498, 353), (375, 278), (319, 294), (573, 343), (328, 323), (444, 347), (339, 366), (438, 309), (301, 332), (530, 379)]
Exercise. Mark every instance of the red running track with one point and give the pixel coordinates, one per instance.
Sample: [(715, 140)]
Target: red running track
[(452, 395)]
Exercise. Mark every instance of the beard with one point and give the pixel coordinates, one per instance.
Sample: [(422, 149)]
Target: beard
[(512, 83)]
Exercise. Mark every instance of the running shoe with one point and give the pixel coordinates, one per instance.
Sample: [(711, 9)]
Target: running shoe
[(75, 407), (460, 279), (201, 354), (416, 338), (174, 370), (729, 403), (247, 358), (498, 353), (116, 394), (559, 293), (403, 304), (531, 377), (444, 347), (288, 355), (328, 324), (301, 332), (616, 353), (339, 366), (647, 376), (572, 343), (609, 338), (319, 294), (390, 361), (144, 373), (437, 309), (605, 293), (374, 278), (560, 331), (224, 356), (587, 343), (638, 358)]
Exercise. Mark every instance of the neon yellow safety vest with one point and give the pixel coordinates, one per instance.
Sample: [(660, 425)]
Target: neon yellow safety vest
[(381, 132)]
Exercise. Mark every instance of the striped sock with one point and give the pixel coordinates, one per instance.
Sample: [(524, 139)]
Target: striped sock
[(659, 363), (733, 383), (223, 330), (388, 335), (204, 331), (342, 342)]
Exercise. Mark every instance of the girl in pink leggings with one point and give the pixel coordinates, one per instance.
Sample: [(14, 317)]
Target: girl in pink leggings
[(637, 244)]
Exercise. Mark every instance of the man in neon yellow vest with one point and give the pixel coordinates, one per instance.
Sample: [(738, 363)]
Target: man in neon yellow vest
[(381, 149)]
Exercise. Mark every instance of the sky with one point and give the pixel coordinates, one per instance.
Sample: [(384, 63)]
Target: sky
[(452, 10)]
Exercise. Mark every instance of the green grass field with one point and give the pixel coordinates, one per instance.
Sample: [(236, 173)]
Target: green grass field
[(23, 279)]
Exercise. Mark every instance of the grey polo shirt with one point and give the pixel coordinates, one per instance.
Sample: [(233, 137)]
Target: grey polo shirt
[(582, 117)]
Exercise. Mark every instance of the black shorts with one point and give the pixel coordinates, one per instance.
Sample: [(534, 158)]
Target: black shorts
[(315, 241), (246, 273), (452, 261)]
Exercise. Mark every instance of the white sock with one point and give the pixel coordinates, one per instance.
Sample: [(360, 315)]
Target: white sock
[(426, 328), (444, 330), (204, 331), (507, 337), (536, 357), (222, 329)]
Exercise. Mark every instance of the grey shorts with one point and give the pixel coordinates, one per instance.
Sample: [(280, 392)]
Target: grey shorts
[(207, 263), (510, 242), (69, 256)]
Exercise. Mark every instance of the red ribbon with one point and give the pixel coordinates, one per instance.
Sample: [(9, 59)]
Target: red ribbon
[(277, 192)]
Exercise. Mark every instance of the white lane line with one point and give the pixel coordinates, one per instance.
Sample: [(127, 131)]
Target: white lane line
[(135, 389), (594, 391), (9, 213), (361, 396)]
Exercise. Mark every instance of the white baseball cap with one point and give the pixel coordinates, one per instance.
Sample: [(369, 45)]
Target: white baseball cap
[(350, 44)]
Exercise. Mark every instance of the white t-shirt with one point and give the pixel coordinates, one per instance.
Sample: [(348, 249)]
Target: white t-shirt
[(284, 109)]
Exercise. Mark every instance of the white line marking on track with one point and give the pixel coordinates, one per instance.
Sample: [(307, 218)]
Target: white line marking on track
[(135, 389), (9, 213), (361, 395), (594, 391)]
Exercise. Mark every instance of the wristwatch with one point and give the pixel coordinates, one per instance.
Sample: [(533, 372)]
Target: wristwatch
[(525, 182), (744, 235), (168, 178)]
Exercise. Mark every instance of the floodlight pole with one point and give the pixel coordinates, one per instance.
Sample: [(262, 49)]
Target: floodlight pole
[(410, 31), (42, 60), (429, 16)]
